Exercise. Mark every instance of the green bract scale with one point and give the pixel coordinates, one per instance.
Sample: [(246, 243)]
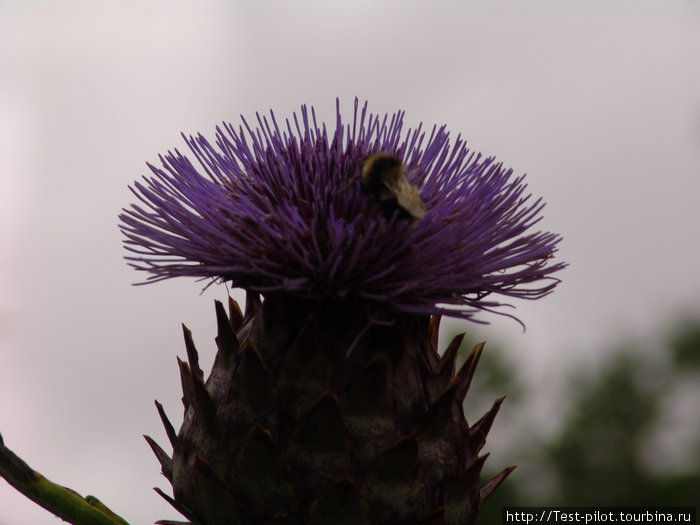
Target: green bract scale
[(286, 429)]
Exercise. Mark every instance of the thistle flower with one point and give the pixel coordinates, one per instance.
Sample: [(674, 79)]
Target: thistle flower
[(328, 400), (282, 210)]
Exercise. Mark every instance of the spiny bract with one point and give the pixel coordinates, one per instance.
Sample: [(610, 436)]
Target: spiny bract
[(288, 430)]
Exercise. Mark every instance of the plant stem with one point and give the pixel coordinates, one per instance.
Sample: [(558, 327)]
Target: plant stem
[(61, 501)]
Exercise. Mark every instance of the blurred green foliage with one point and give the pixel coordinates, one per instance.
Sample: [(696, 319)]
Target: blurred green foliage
[(600, 454), (685, 345)]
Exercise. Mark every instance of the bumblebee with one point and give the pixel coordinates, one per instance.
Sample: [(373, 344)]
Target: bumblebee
[(383, 179)]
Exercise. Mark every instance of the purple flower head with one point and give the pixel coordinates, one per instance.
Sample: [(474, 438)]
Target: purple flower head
[(284, 209)]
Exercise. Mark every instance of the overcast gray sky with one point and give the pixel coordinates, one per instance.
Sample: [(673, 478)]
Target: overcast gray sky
[(599, 103)]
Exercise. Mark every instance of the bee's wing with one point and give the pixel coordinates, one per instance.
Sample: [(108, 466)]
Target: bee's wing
[(387, 189), (409, 199)]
